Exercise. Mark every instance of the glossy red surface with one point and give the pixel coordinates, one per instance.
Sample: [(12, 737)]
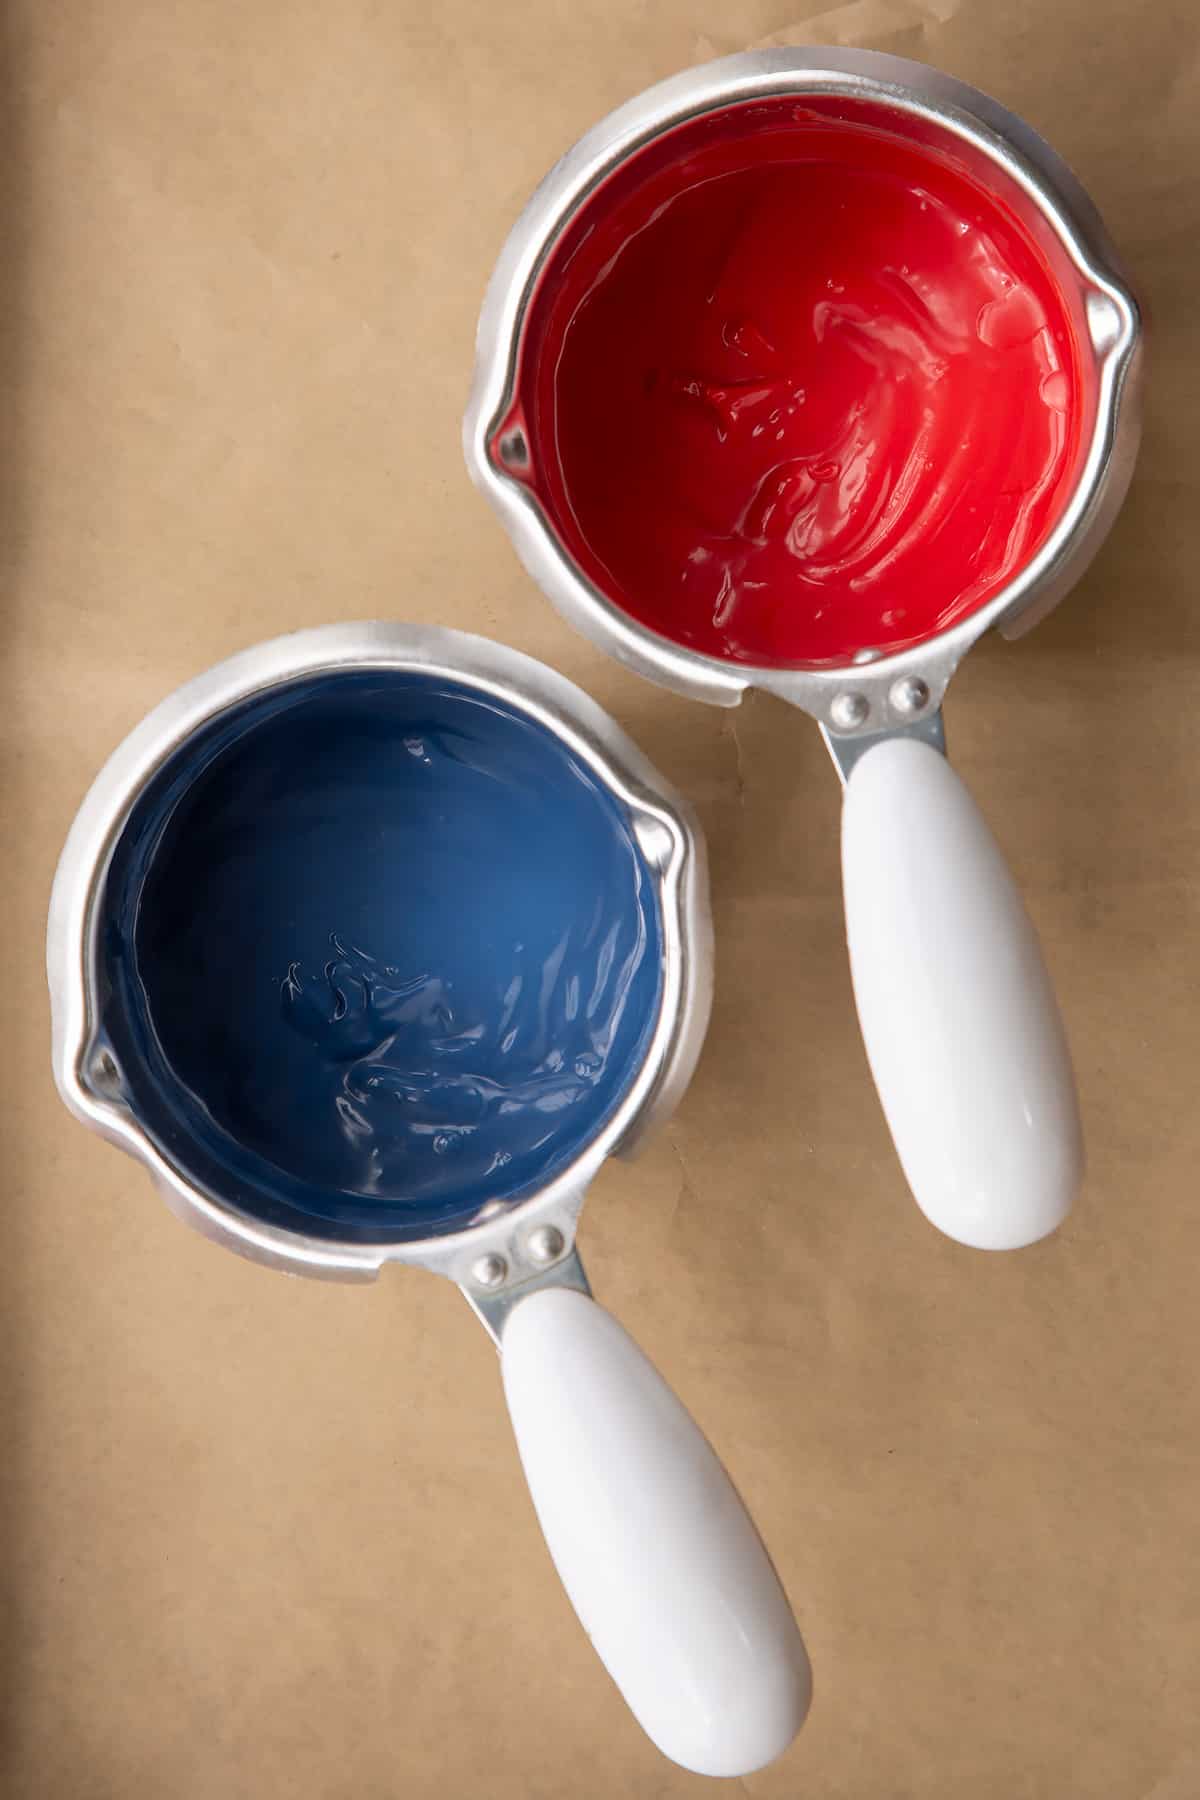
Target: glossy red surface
[(798, 393)]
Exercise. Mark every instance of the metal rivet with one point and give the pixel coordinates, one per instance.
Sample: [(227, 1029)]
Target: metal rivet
[(1104, 321), (514, 451), (656, 841), (488, 1271), (910, 696), (546, 1244), (849, 711)]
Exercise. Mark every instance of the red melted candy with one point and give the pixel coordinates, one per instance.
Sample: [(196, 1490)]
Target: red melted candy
[(797, 392)]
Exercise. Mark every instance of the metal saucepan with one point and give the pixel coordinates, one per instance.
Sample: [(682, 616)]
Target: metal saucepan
[(372, 943), (799, 372)]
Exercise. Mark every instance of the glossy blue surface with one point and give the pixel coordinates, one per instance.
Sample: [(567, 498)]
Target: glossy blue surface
[(378, 950)]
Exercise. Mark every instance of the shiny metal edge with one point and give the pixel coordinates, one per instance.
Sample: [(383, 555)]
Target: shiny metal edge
[(848, 749), (1027, 160), (668, 835), (493, 1307)]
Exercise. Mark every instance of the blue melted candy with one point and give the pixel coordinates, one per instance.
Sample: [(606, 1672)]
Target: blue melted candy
[(378, 950)]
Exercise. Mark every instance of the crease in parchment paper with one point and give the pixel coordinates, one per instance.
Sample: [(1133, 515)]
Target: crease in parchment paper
[(905, 27), (866, 24), (687, 1187), (739, 771)]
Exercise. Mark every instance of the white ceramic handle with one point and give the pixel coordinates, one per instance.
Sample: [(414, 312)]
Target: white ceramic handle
[(960, 1022), (656, 1551)]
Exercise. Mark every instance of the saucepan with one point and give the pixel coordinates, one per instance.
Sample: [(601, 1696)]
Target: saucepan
[(372, 944), (799, 372)]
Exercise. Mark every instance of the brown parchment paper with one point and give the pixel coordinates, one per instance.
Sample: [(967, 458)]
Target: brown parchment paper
[(263, 1537)]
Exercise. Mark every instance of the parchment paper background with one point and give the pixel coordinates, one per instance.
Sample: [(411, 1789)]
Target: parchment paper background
[(262, 1537)]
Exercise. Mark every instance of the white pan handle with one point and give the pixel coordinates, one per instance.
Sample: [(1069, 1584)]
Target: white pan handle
[(960, 1022), (656, 1551)]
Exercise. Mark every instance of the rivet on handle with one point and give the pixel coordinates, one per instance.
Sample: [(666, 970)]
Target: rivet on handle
[(849, 711), (489, 1271)]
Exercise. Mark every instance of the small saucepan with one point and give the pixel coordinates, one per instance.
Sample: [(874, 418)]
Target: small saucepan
[(372, 944), (799, 372)]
